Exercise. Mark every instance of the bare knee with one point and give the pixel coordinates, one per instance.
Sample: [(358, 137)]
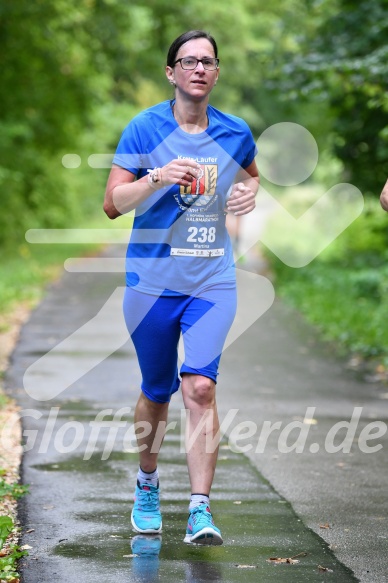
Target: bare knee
[(198, 390)]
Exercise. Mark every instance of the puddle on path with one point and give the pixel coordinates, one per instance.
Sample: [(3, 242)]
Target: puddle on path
[(252, 534), (255, 521)]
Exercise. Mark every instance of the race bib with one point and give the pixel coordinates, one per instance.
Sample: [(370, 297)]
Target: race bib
[(200, 230)]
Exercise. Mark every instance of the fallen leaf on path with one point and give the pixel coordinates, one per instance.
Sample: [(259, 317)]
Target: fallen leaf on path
[(25, 547), (278, 560), (290, 560), (30, 530), (326, 525), (324, 569)]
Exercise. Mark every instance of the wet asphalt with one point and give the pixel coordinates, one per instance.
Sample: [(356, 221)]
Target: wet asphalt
[(324, 508)]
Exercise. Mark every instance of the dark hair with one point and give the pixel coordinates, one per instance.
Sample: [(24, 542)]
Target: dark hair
[(184, 38)]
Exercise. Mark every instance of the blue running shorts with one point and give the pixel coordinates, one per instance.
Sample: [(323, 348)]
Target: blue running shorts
[(155, 324)]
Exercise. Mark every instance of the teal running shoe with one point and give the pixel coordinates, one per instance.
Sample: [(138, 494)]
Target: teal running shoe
[(201, 528), (146, 517)]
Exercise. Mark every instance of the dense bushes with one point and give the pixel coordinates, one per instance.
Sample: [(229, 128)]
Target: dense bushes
[(344, 292)]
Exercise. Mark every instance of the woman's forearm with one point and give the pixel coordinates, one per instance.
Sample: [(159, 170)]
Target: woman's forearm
[(125, 197), (123, 193)]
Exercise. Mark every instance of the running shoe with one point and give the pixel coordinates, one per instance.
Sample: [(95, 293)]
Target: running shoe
[(201, 528), (146, 517)]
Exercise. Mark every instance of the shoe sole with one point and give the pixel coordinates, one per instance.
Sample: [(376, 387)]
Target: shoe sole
[(147, 530), (206, 536)]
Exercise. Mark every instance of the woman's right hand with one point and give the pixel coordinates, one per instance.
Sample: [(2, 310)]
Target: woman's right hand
[(181, 171)]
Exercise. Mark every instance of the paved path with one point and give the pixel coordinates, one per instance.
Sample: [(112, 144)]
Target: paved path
[(81, 480)]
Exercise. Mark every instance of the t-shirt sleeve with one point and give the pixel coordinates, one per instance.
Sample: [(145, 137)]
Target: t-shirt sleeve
[(128, 154), (249, 148)]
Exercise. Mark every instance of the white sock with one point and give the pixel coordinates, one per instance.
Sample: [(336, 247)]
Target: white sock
[(197, 499), (148, 477)]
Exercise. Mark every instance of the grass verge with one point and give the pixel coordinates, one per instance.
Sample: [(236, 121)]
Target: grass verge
[(10, 492), (25, 274), (10, 553), (343, 291), (348, 307)]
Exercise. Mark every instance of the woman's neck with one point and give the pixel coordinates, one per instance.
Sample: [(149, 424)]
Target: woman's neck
[(191, 117)]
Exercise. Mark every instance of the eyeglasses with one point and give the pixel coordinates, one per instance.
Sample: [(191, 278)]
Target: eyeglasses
[(191, 63)]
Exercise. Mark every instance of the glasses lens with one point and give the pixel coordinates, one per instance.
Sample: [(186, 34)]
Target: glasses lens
[(189, 63), (209, 64)]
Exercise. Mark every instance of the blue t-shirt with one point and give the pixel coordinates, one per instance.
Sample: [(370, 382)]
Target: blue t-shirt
[(179, 242)]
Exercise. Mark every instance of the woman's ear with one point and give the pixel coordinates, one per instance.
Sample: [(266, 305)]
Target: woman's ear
[(170, 75)]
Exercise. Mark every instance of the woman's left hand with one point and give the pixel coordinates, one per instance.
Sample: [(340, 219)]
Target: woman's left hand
[(242, 200)]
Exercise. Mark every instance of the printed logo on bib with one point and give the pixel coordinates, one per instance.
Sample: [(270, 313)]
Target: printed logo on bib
[(201, 193)]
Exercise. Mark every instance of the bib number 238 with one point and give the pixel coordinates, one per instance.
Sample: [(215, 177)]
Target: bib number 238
[(201, 235)]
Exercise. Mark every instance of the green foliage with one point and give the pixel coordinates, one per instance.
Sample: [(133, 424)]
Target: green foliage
[(8, 562), (344, 291), (26, 271), (15, 490), (6, 526), (349, 307), (364, 243), (75, 72), (60, 64), (341, 59)]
